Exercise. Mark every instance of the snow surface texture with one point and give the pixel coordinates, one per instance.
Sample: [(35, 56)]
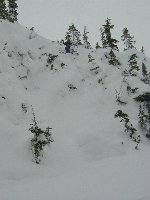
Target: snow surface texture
[(87, 160)]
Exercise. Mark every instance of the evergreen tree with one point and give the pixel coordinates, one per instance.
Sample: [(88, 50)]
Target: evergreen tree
[(40, 139), (144, 115), (97, 46), (85, 39), (146, 75), (144, 70), (142, 50), (127, 39), (104, 45), (128, 126), (3, 11), (12, 4), (91, 59), (73, 35), (107, 40), (133, 64), (113, 60)]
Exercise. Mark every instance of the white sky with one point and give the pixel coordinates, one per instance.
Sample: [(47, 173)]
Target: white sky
[(51, 18)]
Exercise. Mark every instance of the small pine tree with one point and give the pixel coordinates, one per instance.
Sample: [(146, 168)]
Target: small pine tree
[(142, 50), (68, 36), (113, 60), (148, 117), (73, 36), (50, 60), (86, 43), (107, 40), (103, 40), (12, 13), (3, 11), (40, 140), (91, 59), (127, 39), (144, 114), (128, 126), (133, 64), (131, 90), (142, 117), (97, 46), (144, 70)]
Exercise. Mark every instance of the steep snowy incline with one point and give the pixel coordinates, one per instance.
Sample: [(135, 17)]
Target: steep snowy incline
[(91, 156)]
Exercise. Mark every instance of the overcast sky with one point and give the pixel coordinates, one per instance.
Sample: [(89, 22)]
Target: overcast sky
[(51, 18)]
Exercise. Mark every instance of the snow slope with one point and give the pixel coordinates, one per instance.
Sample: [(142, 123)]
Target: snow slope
[(87, 159)]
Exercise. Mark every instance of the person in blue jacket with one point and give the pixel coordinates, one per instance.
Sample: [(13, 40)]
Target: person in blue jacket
[(68, 45)]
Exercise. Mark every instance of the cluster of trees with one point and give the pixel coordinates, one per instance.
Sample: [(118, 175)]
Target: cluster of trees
[(8, 10), (74, 37)]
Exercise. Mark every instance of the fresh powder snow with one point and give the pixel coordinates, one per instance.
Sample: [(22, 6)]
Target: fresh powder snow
[(91, 158)]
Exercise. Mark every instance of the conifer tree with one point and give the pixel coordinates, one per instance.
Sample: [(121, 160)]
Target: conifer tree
[(3, 11), (107, 40), (144, 70), (113, 60), (90, 57), (73, 35), (133, 64), (103, 40), (97, 46), (86, 43), (146, 75), (12, 5), (128, 126), (142, 50), (127, 39), (144, 115), (40, 139)]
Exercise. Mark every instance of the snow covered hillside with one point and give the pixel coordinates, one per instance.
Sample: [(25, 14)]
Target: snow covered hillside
[(77, 95)]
